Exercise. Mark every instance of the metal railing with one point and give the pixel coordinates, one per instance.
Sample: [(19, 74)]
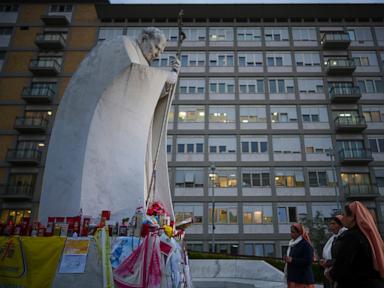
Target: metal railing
[(350, 121), (50, 37), (355, 154), (21, 154), (33, 122), (45, 63), (38, 91), (360, 189), (16, 190), (344, 91), (335, 37), (341, 63)]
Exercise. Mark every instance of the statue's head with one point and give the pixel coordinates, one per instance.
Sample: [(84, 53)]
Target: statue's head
[(152, 43)]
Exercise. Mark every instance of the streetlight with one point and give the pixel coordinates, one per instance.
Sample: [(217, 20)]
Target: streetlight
[(331, 154), (212, 177)]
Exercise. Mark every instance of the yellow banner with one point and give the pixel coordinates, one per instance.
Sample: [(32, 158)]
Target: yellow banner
[(40, 256)]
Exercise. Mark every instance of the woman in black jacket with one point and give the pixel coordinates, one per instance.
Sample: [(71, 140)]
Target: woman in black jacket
[(299, 259), (358, 254)]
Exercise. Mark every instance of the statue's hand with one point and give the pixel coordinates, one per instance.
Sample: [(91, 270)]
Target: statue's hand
[(175, 65)]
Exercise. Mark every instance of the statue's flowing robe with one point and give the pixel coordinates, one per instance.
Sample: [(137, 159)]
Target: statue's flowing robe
[(105, 136)]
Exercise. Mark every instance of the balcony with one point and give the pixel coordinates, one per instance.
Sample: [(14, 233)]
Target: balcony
[(16, 192), (350, 124), (55, 20), (24, 156), (38, 94), (335, 41), (360, 191), (50, 41), (345, 94), (31, 125), (44, 67), (355, 156), (340, 66)]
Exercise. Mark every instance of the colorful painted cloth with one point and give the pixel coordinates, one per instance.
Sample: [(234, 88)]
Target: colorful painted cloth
[(143, 268), (122, 247)]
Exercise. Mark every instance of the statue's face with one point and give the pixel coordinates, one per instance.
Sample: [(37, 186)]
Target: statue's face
[(152, 48)]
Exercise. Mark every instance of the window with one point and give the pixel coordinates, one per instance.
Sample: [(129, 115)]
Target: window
[(307, 58), (191, 114), (222, 144), (221, 34), (171, 33), (194, 33), (226, 178), (373, 113), (308, 86), (324, 210), (108, 33), (316, 144), (319, 178), (254, 144), (251, 86), (250, 59), (15, 215), (287, 215), (9, 8), (249, 34), (224, 214), (191, 86), (379, 174), (221, 59), (376, 144), (169, 144), (304, 34), (289, 178), (280, 86), (371, 85), (190, 144), (192, 59), (255, 178), (286, 144), (189, 177), (2, 58), (259, 249), (355, 179), (252, 114), (360, 34), (276, 34), (171, 114), (60, 8), (5, 31), (190, 210), (222, 114), (279, 59), (221, 86), (365, 58), (283, 114), (313, 114), (257, 214)]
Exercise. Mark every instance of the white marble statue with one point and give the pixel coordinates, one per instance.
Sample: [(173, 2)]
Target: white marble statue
[(107, 129)]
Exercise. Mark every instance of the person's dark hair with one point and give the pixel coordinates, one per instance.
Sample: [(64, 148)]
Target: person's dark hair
[(337, 220), (295, 228), (348, 210)]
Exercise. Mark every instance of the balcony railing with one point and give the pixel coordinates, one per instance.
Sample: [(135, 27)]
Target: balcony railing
[(45, 67), (345, 94), (335, 40), (340, 66), (24, 156), (28, 124), (355, 156), (16, 191), (360, 191), (55, 20), (350, 124), (50, 41), (38, 94)]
